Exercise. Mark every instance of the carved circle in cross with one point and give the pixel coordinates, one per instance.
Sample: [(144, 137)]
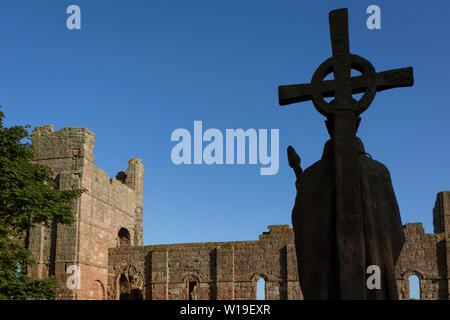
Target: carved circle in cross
[(368, 80)]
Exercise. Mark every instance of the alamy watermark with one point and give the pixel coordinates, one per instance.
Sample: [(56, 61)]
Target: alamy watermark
[(374, 280), (74, 20), (374, 20), (235, 140), (74, 280)]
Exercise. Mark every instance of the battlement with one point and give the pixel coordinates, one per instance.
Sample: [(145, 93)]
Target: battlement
[(416, 227), (70, 149), (416, 231), (50, 129), (69, 142), (279, 231)]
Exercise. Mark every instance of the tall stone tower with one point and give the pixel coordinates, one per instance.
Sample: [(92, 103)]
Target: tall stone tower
[(441, 221), (107, 215)]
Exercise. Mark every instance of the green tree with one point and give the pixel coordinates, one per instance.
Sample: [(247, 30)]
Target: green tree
[(27, 197)]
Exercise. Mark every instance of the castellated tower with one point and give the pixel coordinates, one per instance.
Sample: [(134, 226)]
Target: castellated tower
[(107, 215)]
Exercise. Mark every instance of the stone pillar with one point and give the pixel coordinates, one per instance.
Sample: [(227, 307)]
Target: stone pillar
[(135, 180), (293, 288), (160, 275), (225, 273), (135, 175), (441, 222)]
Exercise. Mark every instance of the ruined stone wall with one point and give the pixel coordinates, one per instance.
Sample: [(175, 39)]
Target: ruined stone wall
[(230, 270), (427, 256), (219, 270), (106, 207), (423, 255)]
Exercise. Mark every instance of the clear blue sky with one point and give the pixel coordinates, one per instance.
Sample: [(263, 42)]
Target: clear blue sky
[(137, 70)]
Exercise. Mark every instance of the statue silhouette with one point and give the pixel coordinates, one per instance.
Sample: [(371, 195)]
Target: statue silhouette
[(346, 218), (314, 222)]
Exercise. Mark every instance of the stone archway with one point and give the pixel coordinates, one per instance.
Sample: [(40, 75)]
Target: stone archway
[(420, 277), (192, 283), (405, 285), (260, 280), (130, 284), (414, 287)]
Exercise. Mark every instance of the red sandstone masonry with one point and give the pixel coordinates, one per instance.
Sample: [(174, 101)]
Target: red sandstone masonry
[(222, 270), (229, 270), (106, 207)]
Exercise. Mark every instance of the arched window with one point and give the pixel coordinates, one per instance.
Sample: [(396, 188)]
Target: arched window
[(261, 289), (123, 238), (192, 284), (414, 287), (192, 290)]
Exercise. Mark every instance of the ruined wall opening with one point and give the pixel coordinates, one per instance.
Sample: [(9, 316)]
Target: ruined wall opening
[(131, 284), (192, 290), (414, 287), (261, 289), (123, 287), (192, 283), (123, 238)]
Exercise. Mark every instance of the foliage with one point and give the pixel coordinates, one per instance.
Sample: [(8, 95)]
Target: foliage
[(27, 197)]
